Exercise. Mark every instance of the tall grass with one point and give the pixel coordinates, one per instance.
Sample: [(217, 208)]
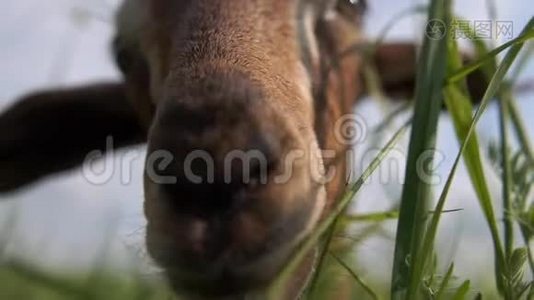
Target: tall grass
[(441, 80), (441, 76)]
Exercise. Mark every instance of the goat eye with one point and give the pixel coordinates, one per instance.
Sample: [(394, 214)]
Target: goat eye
[(360, 4), (123, 60), (352, 9), (122, 56)]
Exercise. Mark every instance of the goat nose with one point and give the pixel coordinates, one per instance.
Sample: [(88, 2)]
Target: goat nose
[(221, 145), (219, 181), (236, 158), (222, 138), (217, 168)]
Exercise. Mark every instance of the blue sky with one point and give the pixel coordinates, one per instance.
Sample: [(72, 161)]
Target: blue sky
[(64, 220)]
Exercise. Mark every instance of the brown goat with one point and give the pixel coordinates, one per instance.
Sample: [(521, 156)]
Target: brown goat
[(217, 78)]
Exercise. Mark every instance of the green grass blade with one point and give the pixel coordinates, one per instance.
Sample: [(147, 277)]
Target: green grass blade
[(329, 236), (521, 130), (277, 288), (490, 56), (48, 281), (460, 108), (416, 192), (356, 277), (444, 283), (504, 119), (462, 291), (493, 87), (376, 217), (522, 63)]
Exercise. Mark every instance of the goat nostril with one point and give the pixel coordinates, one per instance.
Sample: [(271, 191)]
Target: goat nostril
[(198, 200), (221, 185), (198, 235)]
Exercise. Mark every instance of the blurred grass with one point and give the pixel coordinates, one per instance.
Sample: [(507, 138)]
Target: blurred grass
[(21, 281), (415, 274)]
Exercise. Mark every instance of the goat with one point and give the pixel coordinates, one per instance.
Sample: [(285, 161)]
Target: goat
[(209, 78)]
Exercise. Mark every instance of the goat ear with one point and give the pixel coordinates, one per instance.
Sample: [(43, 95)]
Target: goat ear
[(396, 64), (53, 131)]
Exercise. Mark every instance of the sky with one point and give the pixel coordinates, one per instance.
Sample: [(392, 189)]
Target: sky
[(65, 221)]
